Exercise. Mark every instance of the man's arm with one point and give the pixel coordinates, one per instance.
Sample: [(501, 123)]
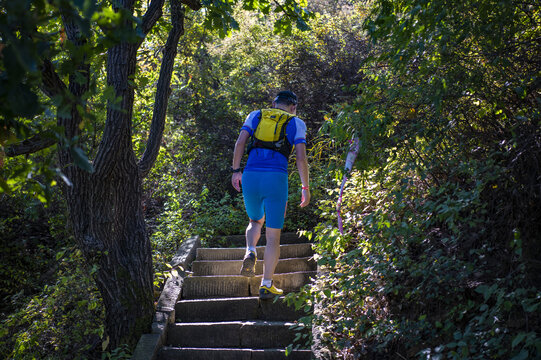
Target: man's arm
[(236, 178), (302, 166)]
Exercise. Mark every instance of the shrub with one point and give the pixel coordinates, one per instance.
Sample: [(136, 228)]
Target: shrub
[(64, 321)]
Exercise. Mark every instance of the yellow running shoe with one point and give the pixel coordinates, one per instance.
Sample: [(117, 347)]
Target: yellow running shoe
[(248, 264), (269, 292)]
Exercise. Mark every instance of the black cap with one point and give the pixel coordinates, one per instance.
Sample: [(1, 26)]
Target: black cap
[(286, 97)]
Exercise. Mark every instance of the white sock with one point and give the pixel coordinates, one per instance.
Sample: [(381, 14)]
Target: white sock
[(250, 248), (267, 283)]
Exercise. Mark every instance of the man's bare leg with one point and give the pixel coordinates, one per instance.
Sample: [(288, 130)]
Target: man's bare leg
[(253, 233), (272, 252)]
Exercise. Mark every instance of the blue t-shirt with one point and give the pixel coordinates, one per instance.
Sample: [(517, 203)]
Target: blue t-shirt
[(270, 160)]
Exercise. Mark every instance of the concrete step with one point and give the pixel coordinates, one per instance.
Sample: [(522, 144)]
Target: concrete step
[(229, 309), (286, 252), (174, 353), (240, 240), (197, 287), (232, 267), (232, 334)]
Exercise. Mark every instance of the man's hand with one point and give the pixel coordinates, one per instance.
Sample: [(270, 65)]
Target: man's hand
[(305, 198), (236, 180)]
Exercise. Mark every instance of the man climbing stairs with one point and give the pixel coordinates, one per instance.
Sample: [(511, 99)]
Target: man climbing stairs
[(220, 315)]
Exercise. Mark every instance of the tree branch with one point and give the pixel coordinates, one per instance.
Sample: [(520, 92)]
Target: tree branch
[(154, 12), (51, 85), (192, 4), (77, 88), (163, 90), (31, 145)]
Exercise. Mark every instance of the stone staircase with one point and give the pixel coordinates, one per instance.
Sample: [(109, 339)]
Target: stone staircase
[(219, 314)]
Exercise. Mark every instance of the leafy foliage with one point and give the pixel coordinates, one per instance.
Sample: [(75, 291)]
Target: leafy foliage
[(31, 236), (65, 319), (439, 259)]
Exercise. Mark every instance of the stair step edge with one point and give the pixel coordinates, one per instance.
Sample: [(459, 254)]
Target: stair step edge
[(304, 258), (238, 322), (241, 276)]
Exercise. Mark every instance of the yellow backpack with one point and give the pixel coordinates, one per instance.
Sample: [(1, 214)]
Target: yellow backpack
[(270, 132)]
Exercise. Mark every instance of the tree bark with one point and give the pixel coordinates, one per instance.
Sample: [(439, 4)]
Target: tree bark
[(107, 213), (105, 206), (31, 145)]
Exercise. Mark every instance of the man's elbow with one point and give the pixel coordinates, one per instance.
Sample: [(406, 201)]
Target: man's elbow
[(242, 139)]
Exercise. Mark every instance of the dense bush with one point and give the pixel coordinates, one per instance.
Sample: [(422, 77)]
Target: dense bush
[(440, 259), (65, 320), (27, 248)]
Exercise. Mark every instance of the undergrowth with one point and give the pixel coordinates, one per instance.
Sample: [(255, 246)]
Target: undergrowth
[(399, 283)]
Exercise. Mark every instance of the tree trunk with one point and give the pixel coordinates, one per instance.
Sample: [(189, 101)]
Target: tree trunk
[(106, 212), (124, 276), (105, 206), (125, 271), (109, 228), (107, 217)]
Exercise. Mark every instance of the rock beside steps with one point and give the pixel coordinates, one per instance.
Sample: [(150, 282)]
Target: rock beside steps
[(220, 316)]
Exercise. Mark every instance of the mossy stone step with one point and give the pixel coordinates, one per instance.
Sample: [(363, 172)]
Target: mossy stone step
[(196, 287), (232, 334)]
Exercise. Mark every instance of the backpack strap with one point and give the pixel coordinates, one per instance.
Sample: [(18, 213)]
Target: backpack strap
[(282, 145), (251, 144)]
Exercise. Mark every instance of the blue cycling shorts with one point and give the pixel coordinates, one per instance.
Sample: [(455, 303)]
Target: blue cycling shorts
[(265, 193)]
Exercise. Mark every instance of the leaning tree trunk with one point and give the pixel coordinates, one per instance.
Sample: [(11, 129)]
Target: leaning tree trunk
[(125, 271), (106, 213), (105, 207)]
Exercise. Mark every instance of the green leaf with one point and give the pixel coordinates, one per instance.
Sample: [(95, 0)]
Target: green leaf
[(289, 349), (486, 290), (518, 339), (60, 254), (302, 25), (23, 101)]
